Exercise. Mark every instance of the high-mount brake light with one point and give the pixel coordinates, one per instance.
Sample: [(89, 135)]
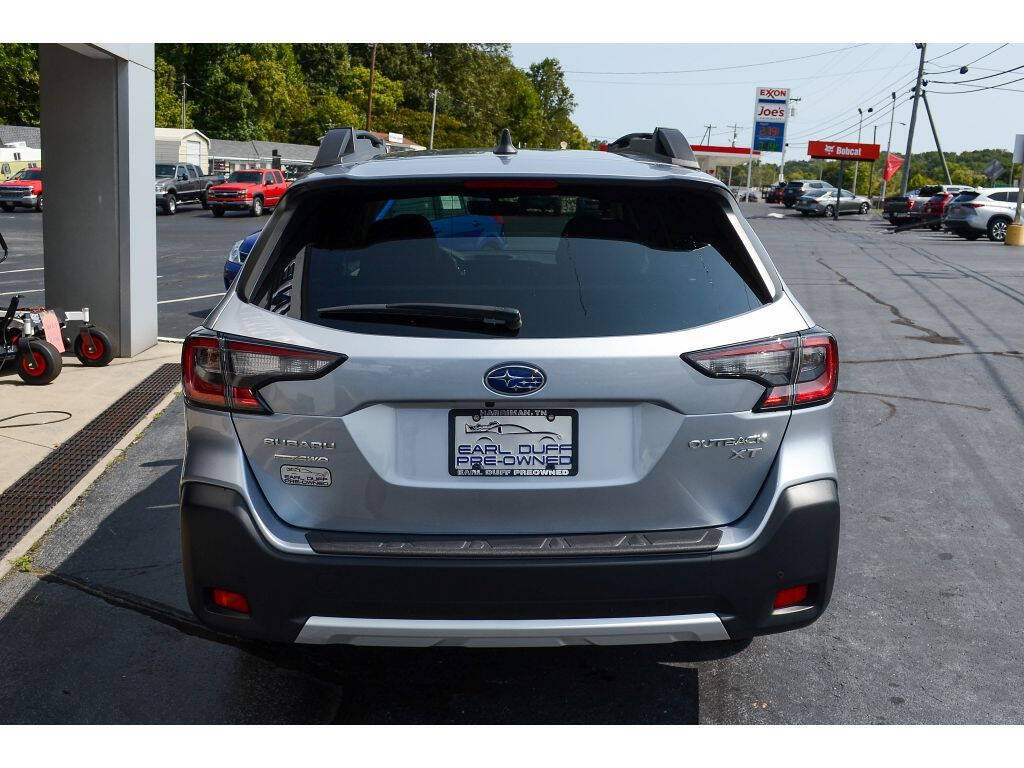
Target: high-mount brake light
[(796, 371), (226, 373), (510, 184)]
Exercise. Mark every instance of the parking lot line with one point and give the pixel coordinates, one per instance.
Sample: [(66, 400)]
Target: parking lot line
[(32, 290), (191, 298), (27, 269)]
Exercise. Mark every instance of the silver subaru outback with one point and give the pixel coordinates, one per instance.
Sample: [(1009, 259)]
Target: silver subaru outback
[(608, 423)]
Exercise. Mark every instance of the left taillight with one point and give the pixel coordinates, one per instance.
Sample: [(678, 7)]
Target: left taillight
[(796, 371), (228, 373)]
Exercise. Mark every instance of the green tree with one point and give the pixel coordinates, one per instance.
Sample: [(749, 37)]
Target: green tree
[(19, 84), (168, 97)]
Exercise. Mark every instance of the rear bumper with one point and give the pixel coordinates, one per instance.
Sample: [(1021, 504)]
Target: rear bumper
[(411, 600), (961, 225)]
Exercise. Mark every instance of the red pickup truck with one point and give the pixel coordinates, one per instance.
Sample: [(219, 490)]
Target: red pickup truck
[(23, 190), (253, 191)]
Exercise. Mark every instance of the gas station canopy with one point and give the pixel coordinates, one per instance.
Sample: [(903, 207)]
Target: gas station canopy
[(711, 157)]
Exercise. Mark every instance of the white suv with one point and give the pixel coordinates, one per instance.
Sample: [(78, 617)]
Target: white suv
[(985, 212)]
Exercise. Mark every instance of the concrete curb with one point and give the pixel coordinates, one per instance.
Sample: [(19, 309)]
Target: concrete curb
[(41, 528)]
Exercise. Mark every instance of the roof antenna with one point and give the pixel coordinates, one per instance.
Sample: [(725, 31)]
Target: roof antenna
[(505, 145)]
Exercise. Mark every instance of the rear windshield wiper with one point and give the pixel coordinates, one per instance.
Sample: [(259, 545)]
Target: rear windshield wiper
[(460, 317)]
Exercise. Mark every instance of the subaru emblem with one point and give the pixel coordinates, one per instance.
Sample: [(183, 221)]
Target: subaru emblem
[(514, 379)]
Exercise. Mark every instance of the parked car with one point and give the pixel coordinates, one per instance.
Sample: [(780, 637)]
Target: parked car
[(23, 190), (775, 194), (253, 191), (933, 211), (799, 187), (332, 493), (981, 212), (453, 224), (182, 184), (236, 258), (823, 203), (747, 196), (909, 208)]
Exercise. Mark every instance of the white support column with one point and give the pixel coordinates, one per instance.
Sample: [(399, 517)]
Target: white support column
[(99, 226)]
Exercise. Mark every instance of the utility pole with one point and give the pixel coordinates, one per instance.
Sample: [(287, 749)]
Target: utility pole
[(707, 132), (856, 166), (913, 120), (369, 97), (735, 128), (183, 84), (888, 148), (871, 178), (433, 117), (935, 133)]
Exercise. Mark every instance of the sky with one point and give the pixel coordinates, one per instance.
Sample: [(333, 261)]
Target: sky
[(614, 99)]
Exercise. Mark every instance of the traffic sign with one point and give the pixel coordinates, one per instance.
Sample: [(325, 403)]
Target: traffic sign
[(994, 170)]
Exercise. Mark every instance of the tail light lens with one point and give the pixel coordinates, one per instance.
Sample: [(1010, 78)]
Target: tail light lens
[(796, 371), (972, 205), (228, 373)]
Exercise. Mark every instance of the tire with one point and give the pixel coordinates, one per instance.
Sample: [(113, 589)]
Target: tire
[(972, 236), (788, 205), (864, 208), (169, 204), (935, 227), (218, 212), (46, 359), (830, 211), (39, 203), (805, 213), (997, 229), (205, 199), (99, 354), (257, 206), (7, 207)]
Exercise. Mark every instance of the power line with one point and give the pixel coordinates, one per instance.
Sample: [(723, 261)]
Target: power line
[(941, 55), (976, 79), (974, 89), (713, 69)]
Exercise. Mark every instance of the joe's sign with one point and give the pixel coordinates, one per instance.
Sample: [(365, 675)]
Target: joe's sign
[(771, 109), (842, 150)]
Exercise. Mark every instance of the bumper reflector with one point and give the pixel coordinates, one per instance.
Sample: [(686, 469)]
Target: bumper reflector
[(786, 598), (232, 601)]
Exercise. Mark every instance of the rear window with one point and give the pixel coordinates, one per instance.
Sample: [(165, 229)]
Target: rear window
[(964, 197), (575, 262)]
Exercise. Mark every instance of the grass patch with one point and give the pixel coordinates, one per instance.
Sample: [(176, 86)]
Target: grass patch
[(23, 563)]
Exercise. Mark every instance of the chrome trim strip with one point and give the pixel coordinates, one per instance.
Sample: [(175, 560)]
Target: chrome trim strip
[(506, 633)]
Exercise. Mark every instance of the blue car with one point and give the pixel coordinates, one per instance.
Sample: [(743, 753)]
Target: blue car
[(236, 258), (454, 226)]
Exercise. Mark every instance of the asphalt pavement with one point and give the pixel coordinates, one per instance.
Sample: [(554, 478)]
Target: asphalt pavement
[(191, 248), (925, 620)]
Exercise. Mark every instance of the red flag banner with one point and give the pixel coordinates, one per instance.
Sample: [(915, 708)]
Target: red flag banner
[(892, 164)]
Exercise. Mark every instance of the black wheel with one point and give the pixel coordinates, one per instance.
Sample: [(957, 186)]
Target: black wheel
[(7, 207), (805, 213), (997, 229), (218, 212), (829, 211), (94, 351), (170, 205), (40, 363), (972, 236), (864, 208), (39, 203), (935, 227), (257, 207), (788, 205), (205, 199)]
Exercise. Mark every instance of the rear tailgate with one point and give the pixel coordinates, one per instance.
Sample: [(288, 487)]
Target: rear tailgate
[(644, 440)]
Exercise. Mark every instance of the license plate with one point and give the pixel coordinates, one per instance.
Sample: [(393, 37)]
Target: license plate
[(513, 442)]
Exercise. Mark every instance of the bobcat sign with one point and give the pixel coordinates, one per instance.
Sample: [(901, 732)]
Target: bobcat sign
[(842, 150)]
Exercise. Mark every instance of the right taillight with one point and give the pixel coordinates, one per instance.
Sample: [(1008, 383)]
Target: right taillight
[(796, 371), (228, 373)]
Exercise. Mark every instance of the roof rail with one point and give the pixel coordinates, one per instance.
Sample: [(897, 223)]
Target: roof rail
[(664, 145), (347, 144)]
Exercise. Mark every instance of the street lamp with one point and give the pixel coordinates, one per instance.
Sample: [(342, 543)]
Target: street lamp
[(856, 166)]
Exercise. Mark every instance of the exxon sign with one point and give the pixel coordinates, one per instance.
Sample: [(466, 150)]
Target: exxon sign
[(771, 111)]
